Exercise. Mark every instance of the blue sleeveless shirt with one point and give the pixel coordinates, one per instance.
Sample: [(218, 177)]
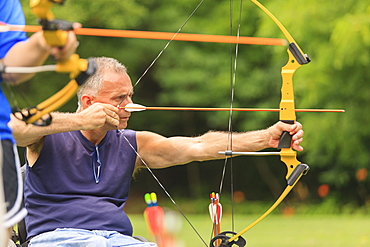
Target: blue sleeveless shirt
[(63, 191)]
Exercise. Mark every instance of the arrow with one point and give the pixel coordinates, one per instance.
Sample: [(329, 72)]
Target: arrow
[(131, 107), (154, 216), (156, 35), (215, 211)]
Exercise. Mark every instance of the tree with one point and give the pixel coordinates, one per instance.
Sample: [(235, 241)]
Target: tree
[(335, 34)]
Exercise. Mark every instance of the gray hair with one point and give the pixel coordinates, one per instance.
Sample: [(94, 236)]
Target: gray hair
[(95, 82)]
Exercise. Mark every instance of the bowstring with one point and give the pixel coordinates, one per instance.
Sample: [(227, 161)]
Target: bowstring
[(10, 86), (233, 69), (11, 92), (8, 82)]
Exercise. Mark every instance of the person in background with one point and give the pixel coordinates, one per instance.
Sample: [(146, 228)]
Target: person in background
[(17, 50), (79, 168)]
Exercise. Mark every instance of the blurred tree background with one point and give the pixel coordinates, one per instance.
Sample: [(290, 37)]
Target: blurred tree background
[(335, 34)]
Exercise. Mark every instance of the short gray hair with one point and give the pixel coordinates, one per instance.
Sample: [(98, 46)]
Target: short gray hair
[(95, 82)]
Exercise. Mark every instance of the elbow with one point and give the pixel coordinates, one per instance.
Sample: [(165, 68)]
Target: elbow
[(23, 141), (20, 138), (20, 131)]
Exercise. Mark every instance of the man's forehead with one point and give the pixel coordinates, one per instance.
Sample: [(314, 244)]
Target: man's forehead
[(114, 77)]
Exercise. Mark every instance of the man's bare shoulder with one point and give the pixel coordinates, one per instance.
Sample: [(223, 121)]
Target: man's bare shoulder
[(147, 136)]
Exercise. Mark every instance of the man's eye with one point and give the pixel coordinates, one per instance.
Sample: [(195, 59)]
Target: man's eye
[(122, 98)]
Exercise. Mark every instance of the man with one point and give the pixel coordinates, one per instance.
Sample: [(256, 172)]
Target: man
[(80, 167), (18, 50)]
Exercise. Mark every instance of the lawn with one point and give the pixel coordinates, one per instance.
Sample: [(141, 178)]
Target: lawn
[(276, 230)]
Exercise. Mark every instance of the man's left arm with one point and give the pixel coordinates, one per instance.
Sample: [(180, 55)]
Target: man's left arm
[(159, 152)]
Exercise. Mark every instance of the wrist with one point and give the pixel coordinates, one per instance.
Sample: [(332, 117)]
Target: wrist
[(267, 136), (76, 120), (67, 121)]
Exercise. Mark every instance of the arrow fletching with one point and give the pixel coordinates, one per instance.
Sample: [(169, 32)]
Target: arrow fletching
[(131, 107)]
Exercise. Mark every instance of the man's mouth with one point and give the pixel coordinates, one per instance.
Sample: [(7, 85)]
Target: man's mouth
[(124, 118)]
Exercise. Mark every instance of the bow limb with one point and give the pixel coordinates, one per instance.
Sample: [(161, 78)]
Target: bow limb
[(278, 23), (65, 94)]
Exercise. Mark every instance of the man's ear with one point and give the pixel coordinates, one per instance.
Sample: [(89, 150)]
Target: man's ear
[(87, 100)]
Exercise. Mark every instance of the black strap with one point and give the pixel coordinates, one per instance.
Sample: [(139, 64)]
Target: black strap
[(25, 244), (22, 234)]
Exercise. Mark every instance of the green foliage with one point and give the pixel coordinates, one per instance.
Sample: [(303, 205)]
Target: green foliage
[(335, 34)]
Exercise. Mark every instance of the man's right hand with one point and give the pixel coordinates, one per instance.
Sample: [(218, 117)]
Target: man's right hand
[(99, 115)]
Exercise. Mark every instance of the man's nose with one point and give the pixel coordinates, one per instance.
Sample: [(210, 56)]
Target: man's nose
[(129, 100), (126, 102)]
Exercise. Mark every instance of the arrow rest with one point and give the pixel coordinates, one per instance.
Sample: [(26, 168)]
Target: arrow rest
[(223, 236)]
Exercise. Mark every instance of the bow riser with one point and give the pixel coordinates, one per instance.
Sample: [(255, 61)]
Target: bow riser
[(73, 65), (289, 158), (287, 105), (287, 113), (56, 38)]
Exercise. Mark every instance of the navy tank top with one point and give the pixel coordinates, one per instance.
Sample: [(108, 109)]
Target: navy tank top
[(75, 184)]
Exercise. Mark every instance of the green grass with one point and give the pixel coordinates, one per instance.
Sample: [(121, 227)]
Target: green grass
[(276, 230)]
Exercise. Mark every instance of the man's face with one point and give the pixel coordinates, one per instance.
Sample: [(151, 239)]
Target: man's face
[(117, 90)]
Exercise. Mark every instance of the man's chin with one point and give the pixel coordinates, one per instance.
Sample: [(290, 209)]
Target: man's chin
[(122, 126)]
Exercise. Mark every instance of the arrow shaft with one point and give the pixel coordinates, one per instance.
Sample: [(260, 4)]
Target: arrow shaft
[(159, 35), (164, 108)]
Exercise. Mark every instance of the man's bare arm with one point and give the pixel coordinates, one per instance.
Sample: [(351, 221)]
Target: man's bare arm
[(158, 151), (93, 117)]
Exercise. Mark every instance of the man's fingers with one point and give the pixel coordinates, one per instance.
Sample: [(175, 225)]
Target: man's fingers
[(77, 25), (297, 147), (112, 121), (297, 135), (111, 113)]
